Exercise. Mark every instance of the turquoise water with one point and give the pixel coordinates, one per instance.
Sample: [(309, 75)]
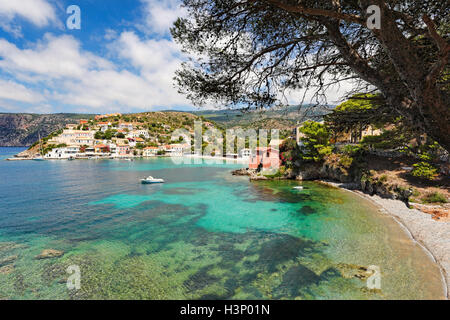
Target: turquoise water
[(204, 234)]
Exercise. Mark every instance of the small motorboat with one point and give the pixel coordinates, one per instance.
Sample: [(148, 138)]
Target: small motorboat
[(298, 188), (151, 180)]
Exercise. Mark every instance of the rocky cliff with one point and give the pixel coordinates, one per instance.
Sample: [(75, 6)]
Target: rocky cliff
[(20, 129)]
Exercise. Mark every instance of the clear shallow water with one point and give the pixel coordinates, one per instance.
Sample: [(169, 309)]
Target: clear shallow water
[(203, 234)]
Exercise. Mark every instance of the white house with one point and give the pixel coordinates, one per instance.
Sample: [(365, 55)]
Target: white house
[(74, 137), (126, 125), (178, 149), (103, 126), (150, 151), (139, 133), (63, 153), (245, 153)]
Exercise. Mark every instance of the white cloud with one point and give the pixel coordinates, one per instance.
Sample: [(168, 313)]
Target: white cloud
[(161, 14), (11, 90), (150, 86), (53, 58), (85, 81), (38, 12), (148, 55)]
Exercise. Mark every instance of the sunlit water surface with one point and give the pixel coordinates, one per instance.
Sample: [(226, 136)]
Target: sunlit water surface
[(204, 234)]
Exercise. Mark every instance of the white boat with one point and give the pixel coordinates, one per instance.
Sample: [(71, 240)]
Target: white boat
[(298, 188), (151, 180)]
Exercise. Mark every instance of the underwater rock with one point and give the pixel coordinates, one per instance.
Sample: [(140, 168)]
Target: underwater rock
[(200, 280), (297, 277), (49, 254), (7, 246), (349, 271), (8, 260), (307, 210), (283, 248), (7, 269)]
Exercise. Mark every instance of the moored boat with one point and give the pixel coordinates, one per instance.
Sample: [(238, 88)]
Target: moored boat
[(151, 180)]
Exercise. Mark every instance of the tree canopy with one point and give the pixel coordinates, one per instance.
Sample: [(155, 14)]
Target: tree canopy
[(316, 141), (254, 52)]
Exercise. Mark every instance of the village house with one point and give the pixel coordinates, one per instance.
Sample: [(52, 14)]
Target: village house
[(101, 148), (139, 140), (71, 126), (245, 153), (84, 141), (138, 134), (63, 153), (126, 125), (74, 137), (132, 142), (123, 150), (103, 126), (112, 147), (265, 158), (150, 151), (89, 151), (119, 141)]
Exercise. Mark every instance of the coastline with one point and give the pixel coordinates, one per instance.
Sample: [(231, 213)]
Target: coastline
[(187, 156), (433, 236)]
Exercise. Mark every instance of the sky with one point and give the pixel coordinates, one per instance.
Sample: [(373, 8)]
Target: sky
[(122, 59)]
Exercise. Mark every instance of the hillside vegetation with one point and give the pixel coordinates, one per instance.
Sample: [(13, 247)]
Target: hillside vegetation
[(22, 129)]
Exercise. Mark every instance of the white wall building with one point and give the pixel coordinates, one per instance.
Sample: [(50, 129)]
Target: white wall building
[(74, 137), (245, 153), (63, 153)]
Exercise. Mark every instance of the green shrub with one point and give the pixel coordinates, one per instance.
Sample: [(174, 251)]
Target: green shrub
[(424, 170), (345, 161), (383, 178), (435, 197), (273, 176)]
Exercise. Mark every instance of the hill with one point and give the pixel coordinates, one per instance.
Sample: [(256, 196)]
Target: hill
[(275, 118), (22, 129)]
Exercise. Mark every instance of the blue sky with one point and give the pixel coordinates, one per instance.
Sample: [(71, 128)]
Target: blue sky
[(122, 59)]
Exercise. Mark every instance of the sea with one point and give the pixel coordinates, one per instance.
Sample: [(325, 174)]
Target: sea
[(203, 234)]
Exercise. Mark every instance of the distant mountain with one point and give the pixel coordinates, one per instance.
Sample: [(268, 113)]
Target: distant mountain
[(279, 118), (22, 129)]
